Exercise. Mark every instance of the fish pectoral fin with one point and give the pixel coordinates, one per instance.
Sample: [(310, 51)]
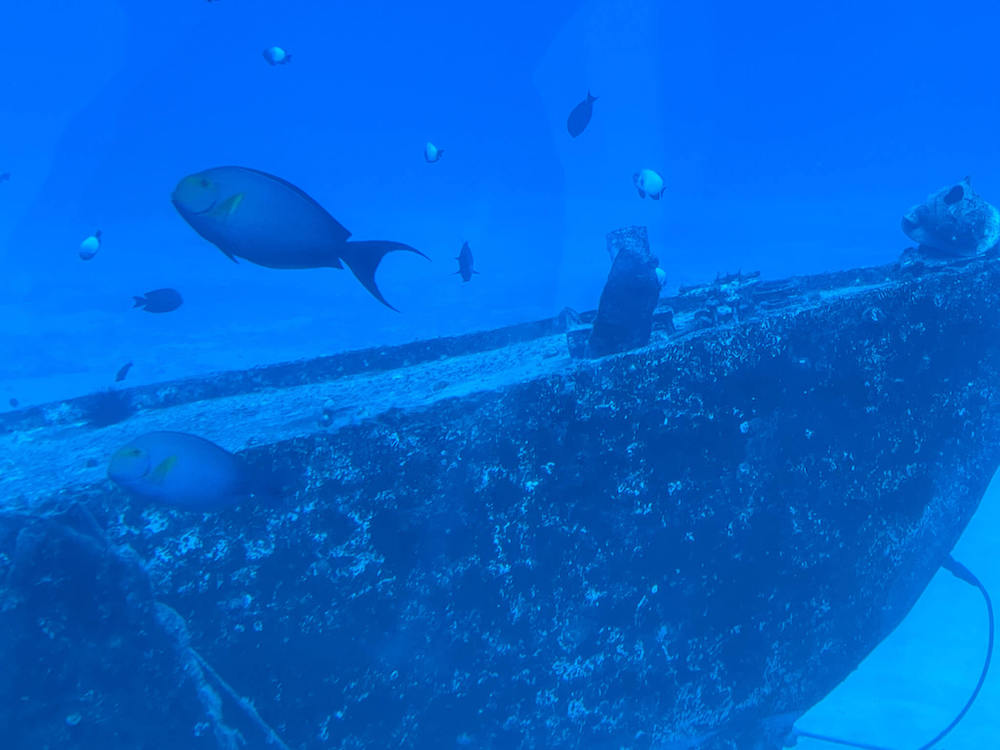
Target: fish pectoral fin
[(159, 474), (227, 208), (229, 255)]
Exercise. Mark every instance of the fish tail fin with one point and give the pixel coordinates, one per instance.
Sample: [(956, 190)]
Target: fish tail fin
[(138, 301), (591, 97), (363, 257)]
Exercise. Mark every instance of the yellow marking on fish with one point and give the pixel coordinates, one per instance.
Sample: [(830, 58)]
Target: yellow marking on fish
[(160, 472), (228, 207)]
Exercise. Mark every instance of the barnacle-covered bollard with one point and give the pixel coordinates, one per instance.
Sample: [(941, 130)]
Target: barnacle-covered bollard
[(625, 315)]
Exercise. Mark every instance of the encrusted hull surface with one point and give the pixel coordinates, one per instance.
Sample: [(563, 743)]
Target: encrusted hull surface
[(498, 546)]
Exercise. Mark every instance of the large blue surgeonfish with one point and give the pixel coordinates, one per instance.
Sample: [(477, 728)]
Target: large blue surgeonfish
[(268, 221), (183, 470)]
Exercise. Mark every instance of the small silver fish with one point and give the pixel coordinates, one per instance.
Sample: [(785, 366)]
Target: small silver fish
[(276, 56), (90, 246), (432, 153), (648, 182)]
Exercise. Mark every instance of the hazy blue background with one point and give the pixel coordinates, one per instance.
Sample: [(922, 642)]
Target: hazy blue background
[(791, 137)]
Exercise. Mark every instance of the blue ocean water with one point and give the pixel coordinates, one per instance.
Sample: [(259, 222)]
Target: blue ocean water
[(790, 138)]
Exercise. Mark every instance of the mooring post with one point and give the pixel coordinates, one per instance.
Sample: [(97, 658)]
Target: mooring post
[(625, 315)]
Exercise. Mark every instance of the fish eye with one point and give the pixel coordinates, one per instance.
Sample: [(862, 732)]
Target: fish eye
[(204, 182), (129, 464)]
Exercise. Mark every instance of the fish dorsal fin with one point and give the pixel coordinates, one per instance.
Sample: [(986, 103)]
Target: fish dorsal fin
[(159, 474), (299, 191)]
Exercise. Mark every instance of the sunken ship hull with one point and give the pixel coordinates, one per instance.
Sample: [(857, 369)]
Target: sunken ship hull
[(684, 545)]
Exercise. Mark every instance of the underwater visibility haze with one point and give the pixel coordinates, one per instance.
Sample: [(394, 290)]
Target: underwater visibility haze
[(526, 375)]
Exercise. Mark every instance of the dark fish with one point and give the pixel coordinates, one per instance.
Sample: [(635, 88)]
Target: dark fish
[(254, 215), (4, 177), (159, 301), (120, 376), (579, 118), (465, 261), (14, 402), (183, 470)]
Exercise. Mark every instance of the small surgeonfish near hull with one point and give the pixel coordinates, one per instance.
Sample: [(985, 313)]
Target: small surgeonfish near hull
[(465, 262), (188, 472), (266, 220), (579, 118)]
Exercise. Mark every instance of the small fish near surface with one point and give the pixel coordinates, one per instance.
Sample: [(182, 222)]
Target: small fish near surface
[(90, 246), (276, 56), (432, 153), (185, 471), (465, 262), (254, 215), (579, 118), (123, 372), (159, 301), (648, 182)]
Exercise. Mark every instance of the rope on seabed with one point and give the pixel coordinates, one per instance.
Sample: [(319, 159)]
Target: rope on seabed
[(95, 538), (961, 572), (244, 703)]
